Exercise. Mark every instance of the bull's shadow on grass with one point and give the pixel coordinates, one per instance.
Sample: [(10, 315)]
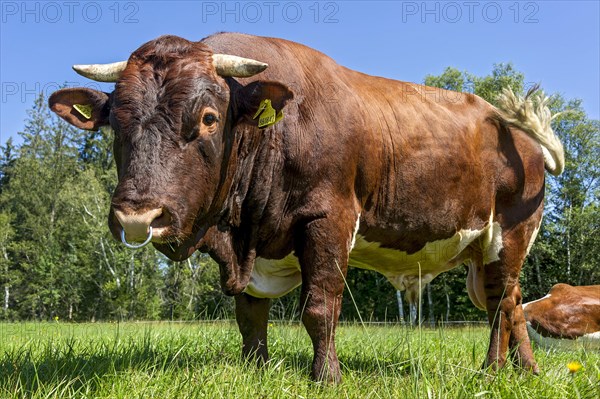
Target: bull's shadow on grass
[(35, 369), (86, 362)]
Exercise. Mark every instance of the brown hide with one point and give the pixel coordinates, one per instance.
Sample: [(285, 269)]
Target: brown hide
[(566, 312), (393, 151)]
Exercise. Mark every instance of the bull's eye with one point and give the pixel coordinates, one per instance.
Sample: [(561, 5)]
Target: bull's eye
[(209, 119)]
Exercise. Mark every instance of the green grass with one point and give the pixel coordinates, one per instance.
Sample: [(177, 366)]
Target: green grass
[(197, 360)]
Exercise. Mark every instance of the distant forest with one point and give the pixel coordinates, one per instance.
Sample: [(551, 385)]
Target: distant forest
[(58, 260)]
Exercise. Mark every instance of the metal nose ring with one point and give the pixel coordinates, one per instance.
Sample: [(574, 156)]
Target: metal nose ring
[(136, 246)]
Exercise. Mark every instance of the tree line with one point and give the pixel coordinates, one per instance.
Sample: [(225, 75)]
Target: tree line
[(58, 260)]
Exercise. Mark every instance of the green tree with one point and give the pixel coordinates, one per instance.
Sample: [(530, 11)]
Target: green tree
[(46, 159), (450, 79), (58, 195), (7, 161), (8, 278), (192, 290)]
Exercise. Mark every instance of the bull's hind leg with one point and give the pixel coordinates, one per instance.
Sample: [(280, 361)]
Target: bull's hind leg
[(519, 344), (252, 316), (503, 297)]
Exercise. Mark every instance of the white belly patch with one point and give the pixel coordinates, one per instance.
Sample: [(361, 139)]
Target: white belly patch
[(275, 278), (411, 271)]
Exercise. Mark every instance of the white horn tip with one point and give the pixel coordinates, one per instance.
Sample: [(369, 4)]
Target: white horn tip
[(231, 65), (256, 68), (82, 69)]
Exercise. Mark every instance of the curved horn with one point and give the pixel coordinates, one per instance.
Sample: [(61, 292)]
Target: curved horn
[(232, 65), (101, 72)]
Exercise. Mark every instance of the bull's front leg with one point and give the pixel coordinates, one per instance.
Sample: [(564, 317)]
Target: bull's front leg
[(323, 254), (252, 316)]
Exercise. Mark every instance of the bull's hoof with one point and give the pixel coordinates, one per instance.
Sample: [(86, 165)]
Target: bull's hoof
[(528, 366), (524, 361), (535, 370), (257, 356), (331, 376)]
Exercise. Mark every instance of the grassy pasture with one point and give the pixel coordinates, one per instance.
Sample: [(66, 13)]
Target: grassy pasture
[(201, 360)]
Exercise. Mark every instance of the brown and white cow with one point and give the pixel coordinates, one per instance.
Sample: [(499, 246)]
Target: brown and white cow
[(568, 317), (392, 176)]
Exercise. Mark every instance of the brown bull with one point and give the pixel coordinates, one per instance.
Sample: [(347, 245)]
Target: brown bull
[(403, 179), (568, 317)]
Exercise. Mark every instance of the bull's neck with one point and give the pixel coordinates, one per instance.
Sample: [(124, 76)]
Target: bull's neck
[(247, 172)]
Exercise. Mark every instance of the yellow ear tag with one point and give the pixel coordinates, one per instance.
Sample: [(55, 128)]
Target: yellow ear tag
[(268, 115), (85, 110)]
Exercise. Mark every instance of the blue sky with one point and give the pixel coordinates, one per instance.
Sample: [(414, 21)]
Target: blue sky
[(553, 42)]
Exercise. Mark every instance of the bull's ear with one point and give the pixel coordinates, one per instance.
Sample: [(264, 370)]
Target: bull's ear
[(84, 108), (252, 97)]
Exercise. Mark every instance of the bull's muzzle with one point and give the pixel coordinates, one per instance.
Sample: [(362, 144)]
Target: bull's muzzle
[(137, 227)]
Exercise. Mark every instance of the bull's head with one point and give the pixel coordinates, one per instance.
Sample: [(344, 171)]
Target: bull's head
[(173, 109)]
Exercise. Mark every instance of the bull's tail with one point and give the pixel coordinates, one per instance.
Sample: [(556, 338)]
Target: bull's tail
[(532, 115)]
